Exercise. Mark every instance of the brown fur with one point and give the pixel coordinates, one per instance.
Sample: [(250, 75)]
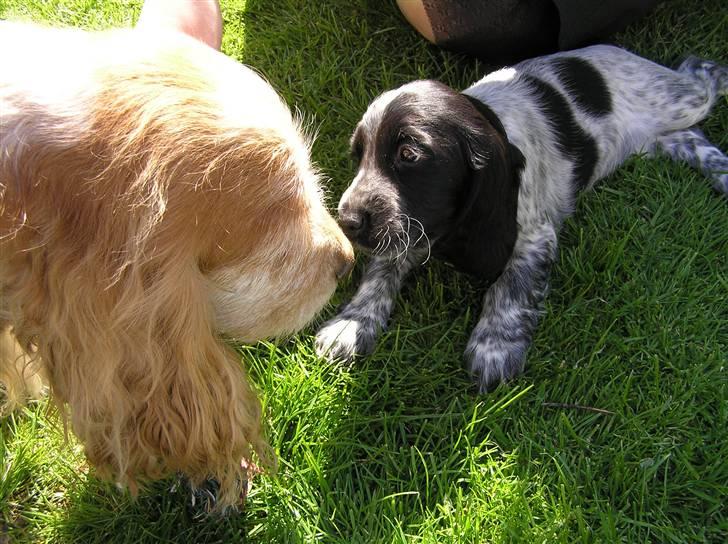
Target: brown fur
[(122, 242)]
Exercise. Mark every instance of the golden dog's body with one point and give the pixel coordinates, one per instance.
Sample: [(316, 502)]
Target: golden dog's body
[(154, 194)]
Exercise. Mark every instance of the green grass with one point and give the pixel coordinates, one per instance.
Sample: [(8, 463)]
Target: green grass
[(398, 447)]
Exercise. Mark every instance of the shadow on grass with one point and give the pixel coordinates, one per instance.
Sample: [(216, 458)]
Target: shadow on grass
[(399, 444), (100, 513)]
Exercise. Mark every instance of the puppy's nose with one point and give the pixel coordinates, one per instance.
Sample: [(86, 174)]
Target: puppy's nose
[(354, 223)]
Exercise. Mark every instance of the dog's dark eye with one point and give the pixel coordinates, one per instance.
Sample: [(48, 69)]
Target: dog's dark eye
[(407, 154)]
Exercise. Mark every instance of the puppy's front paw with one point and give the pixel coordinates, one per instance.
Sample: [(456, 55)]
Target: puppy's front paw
[(492, 359), (342, 338)]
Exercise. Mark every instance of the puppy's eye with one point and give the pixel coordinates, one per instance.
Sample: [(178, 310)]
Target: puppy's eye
[(407, 153)]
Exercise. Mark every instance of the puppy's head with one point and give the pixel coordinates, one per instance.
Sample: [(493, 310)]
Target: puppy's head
[(434, 166)]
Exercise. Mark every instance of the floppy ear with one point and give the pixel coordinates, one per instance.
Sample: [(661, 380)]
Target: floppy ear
[(150, 387), (107, 283), (486, 229)]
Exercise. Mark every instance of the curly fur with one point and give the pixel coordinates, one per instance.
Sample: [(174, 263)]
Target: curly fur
[(155, 195)]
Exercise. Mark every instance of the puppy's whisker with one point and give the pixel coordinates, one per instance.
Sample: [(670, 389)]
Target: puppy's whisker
[(429, 247), (379, 244), (411, 221), (380, 248), (375, 251), (389, 242), (403, 251), (401, 233), (406, 233), (423, 234)]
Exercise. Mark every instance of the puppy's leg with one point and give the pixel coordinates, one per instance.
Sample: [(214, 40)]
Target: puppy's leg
[(691, 146), (497, 347), (355, 329)]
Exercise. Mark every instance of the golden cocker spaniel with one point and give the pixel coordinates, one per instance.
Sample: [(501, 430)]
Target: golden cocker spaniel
[(155, 195)]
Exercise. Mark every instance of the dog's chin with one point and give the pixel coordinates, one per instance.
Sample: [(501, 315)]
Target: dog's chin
[(364, 243), (393, 239), (364, 246), (374, 245)]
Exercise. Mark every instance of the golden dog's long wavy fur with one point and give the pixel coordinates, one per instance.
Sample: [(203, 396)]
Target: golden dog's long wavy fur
[(161, 197)]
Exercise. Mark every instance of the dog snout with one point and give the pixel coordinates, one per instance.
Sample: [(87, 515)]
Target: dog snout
[(355, 223), (345, 260), (343, 251)]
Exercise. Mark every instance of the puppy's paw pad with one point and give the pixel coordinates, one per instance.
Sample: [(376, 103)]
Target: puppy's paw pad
[(343, 339), (494, 362)]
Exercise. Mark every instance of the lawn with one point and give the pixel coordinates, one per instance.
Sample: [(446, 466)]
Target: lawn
[(616, 432)]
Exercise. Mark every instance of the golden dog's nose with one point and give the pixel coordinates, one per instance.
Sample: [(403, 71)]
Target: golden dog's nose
[(345, 269), (346, 256)]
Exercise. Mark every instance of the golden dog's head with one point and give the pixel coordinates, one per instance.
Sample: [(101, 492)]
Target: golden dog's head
[(156, 195)]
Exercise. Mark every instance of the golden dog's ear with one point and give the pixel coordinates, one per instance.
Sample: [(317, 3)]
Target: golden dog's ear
[(106, 280), (150, 387)]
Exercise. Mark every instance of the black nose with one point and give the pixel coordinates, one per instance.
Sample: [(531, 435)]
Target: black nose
[(354, 223)]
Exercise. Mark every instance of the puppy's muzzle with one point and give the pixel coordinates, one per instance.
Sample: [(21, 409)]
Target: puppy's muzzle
[(356, 224)]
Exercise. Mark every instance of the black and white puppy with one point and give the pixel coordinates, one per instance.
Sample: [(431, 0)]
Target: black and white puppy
[(485, 178)]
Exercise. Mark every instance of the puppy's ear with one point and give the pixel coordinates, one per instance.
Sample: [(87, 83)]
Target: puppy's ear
[(486, 229)]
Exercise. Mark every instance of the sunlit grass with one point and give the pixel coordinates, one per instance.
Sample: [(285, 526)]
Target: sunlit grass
[(398, 447)]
